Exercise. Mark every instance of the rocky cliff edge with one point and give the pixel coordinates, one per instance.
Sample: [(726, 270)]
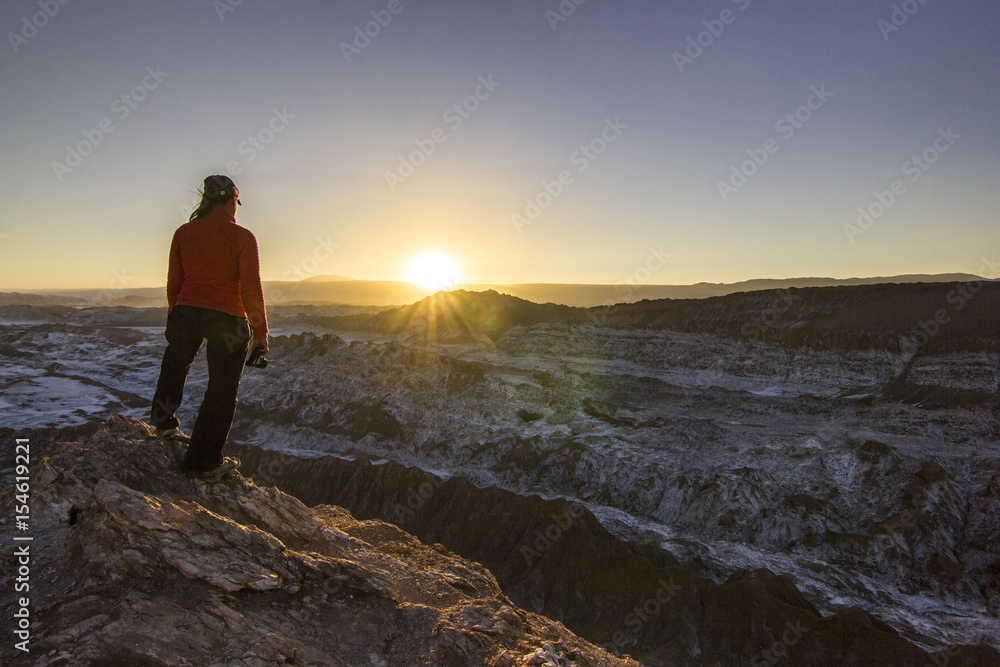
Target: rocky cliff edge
[(133, 563)]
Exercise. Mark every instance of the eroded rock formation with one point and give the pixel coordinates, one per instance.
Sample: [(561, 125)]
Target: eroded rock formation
[(134, 563)]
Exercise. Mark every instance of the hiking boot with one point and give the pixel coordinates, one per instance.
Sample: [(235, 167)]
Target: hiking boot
[(173, 434), (228, 465)]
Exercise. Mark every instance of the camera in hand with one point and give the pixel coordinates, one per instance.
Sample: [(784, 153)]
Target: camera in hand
[(257, 359)]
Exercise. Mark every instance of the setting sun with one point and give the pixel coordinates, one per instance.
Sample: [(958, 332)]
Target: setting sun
[(433, 270)]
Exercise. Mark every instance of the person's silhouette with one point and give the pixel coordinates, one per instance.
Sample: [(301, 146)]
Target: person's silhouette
[(214, 294)]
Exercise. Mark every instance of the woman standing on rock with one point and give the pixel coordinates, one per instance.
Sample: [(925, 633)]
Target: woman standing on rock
[(214, 294)]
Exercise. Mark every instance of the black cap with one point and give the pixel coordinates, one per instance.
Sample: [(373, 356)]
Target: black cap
[(219, 186)]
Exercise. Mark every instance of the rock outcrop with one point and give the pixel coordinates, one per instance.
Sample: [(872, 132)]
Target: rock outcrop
[(133, 563)]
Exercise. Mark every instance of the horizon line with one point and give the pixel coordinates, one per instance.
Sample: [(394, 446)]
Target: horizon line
[(460, 285)]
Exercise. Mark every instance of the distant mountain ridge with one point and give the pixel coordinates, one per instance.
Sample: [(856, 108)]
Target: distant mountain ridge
[(327, 278), (334, 289), (608, 295), (962, 313)]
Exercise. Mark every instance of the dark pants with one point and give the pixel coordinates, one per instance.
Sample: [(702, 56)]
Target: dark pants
[(228, 339)]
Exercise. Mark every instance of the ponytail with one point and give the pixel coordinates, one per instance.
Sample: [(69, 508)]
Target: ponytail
[(216, 191)]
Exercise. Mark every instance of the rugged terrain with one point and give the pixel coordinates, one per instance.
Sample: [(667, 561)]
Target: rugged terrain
[(136, 564), (837, 443)]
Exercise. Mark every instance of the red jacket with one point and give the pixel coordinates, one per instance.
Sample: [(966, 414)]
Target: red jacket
[(214, 264)]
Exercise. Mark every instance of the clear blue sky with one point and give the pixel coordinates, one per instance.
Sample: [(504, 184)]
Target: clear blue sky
[(278, 72)]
